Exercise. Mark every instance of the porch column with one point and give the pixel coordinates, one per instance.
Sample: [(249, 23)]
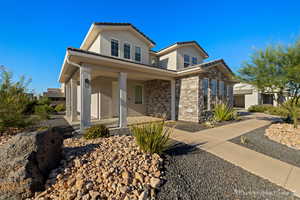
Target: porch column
[(209, 95), (172, 99), (73, 99), (122, 100), (85, 92), (275, 99), (68, 100)]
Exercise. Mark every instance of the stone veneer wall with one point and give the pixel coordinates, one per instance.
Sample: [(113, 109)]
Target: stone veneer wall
[(158, 98), (187, 98), (189, 95)]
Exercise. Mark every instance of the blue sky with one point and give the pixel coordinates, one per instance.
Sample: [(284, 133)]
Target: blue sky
[(35, 34)]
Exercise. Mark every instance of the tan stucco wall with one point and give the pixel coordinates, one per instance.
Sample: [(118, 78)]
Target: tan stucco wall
[(102, 96), (95, 46), (189, 50), (169, 60), (122, 37)]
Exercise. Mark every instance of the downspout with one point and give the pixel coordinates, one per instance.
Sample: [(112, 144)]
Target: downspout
[(78, 66)]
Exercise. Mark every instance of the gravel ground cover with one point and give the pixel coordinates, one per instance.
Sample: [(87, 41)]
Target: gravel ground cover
[(195, 127), (4, 139), (193, 174), (103, 168), (257, 141)]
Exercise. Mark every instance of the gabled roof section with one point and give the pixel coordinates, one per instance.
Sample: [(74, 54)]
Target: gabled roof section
[(126, 24), (205, 66), (184, 43), (97, 27)]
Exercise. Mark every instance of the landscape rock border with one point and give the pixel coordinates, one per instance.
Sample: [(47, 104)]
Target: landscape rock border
[(26, 160)]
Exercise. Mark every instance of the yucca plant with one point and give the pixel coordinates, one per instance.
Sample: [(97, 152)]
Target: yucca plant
[(224, 112), (152, 137)]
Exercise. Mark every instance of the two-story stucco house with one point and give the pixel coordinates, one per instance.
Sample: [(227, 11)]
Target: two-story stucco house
[(115, 73)]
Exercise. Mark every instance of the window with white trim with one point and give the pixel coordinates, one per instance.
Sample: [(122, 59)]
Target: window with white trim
[(205, 92), (214, 88), (194, 61), (137, 56), (221, 89), (126, 50), (138, 97), (186, 59), (213, 83), (114, 47), (225, 91)]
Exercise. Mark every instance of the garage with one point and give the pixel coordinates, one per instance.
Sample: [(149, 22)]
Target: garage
[(239, 100)]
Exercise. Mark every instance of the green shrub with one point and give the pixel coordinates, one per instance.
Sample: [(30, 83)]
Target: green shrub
[(152, 137), (277, 110), (269, 109), (60, 107), (224, 112), (43, 111), (44, 101), (96, 131), (259, 108), (29, 109)]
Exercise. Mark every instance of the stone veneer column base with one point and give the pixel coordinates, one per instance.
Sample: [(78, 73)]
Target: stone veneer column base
[(187, 98)]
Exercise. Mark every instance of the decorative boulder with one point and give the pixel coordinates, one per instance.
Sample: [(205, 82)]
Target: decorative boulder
[(26, 160)]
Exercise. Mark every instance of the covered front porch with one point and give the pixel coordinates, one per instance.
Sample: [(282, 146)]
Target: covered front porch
[(116, 94)]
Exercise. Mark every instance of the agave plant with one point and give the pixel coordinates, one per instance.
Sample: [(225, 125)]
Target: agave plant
[(224, 112), (152, 137)]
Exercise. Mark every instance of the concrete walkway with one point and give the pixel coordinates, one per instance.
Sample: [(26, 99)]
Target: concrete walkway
[(215, 141)]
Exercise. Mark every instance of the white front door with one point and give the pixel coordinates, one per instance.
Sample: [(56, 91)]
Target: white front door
[(115, 99)]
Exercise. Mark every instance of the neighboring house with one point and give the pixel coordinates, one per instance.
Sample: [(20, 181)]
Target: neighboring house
[(55, 95), (246, 95), (115, 73)]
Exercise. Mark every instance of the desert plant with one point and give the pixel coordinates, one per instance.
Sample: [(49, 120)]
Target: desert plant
[(96, 131), (43, 111), (60, 107), (244, 140), (224, 112), (293, 112), (14, 100), (276, 70), (209, 124), (152, 137), (44, 101), (29, 109)]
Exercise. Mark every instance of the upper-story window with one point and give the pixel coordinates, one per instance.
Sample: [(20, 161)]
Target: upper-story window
[(137, 56), (186, 60), (114, 48), (126, 50), (194, 61)]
